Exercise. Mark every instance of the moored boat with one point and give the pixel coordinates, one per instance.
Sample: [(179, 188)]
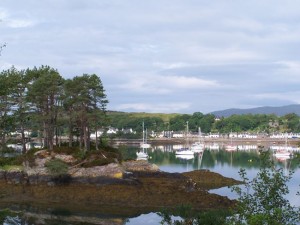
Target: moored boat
[(184, 151)]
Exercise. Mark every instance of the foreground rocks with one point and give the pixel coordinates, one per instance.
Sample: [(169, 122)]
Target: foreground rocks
[(131, 187)]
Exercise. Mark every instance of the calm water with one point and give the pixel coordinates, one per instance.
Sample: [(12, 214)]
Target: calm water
[(214, 158)]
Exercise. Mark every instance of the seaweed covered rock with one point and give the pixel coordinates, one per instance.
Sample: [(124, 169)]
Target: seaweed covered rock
[(206, 179), (113, 170), (140, 165)]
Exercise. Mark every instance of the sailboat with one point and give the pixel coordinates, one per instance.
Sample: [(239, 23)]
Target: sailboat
[(142, 154), (144, 144), (198, 146), (186, 150)]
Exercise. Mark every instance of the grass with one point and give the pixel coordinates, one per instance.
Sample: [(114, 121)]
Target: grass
[(12, 167)]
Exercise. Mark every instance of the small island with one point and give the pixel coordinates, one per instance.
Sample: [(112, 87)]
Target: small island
[(102, 180)]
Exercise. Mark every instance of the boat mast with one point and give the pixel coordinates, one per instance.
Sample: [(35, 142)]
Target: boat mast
[(143, 133), (187, 131)]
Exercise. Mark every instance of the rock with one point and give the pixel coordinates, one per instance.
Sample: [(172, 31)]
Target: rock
[(66, 158), (15, 177), (37, 175), (140, 165), (112, 170), (205, 179), (40, 162), (42, 154), (2, 174)]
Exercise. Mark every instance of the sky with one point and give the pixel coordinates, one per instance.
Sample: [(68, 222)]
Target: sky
[(166, 56)]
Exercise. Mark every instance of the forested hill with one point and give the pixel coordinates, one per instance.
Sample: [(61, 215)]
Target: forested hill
[(279, 111)]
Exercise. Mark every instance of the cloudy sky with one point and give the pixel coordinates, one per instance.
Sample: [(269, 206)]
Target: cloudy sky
[(163, 55)]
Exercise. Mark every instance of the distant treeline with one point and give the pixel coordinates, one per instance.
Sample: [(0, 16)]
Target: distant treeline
[(207, 122)]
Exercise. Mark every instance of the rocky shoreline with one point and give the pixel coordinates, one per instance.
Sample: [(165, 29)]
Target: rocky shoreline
[(130, 187)]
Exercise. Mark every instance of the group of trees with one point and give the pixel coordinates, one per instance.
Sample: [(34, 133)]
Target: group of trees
[(41, 100), (209, 123)]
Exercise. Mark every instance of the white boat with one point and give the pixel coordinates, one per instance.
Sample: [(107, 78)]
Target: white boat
[(142, 155), (184, 151), (198, 146), (144, 143)]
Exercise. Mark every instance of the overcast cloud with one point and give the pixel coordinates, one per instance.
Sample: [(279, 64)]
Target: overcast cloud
[(163, 56)]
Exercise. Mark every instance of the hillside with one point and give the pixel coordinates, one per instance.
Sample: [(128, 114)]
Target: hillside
[(164, 116), (279, 111)]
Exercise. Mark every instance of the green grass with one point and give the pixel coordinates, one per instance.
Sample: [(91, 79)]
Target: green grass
[(12, 167)]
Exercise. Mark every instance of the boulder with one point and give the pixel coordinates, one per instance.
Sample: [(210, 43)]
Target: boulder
[(66, 158), (112, 170), (140, 165)]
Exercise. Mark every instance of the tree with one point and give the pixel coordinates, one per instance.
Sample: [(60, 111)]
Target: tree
[(85, 100), (292, 122), (44, 92), (7, 85), (20, 107), (263, 200)]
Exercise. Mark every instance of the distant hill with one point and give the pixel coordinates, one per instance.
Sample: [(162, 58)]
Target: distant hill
[(279, 111), (164, 116)]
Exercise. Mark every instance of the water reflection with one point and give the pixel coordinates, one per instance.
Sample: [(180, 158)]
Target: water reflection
[(246, 156)]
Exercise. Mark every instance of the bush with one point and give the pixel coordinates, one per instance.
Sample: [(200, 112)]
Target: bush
[(57, 167), (99, 158), (29, 157), (9, 161)]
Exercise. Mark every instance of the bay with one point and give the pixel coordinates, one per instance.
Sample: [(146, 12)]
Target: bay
[(215, 158)]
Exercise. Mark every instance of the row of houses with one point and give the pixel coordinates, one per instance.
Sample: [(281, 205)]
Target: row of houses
[(181, 134), (174, 134)]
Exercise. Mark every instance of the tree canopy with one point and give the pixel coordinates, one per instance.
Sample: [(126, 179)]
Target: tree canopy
[(41, 99)]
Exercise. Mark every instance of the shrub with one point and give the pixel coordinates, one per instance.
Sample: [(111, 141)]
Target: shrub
[(9, 161), (57, 167)]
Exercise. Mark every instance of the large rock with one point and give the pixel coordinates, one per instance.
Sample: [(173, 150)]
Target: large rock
[(66, 158), (140, 166), (112, 170)]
